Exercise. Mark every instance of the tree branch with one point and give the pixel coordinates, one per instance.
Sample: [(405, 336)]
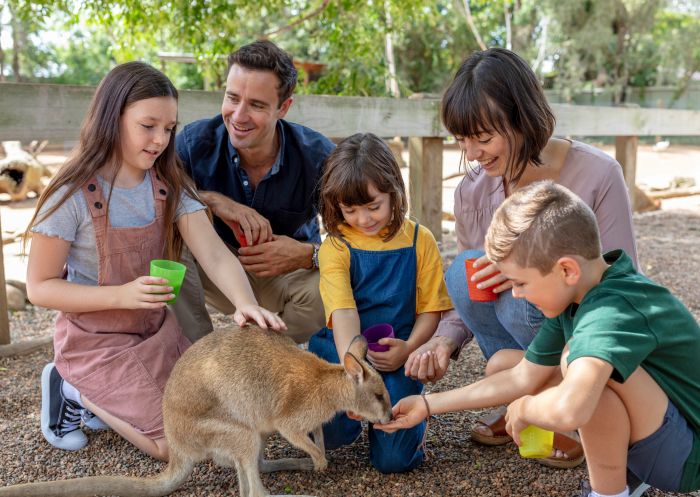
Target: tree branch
[(311, 14), (466, 11)]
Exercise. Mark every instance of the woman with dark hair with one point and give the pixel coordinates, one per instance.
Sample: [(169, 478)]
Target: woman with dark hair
[(497, 111), (120, 201)]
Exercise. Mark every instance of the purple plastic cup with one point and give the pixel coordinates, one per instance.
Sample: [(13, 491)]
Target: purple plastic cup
[(375, 333)]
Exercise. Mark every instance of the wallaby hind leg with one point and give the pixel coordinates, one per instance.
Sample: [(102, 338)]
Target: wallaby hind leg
[(238, 446), (284, 464), (226, 460), (248, 469), (243, 486), (245, 448), (292, 463), (303, 442)]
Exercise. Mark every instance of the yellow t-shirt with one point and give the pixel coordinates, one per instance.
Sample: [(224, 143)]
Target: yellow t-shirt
[(334, 262)]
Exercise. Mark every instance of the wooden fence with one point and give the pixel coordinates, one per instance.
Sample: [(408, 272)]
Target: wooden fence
[(55, 112)]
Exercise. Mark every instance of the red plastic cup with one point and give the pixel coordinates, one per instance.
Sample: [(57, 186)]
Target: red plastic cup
[(238, 232), (479, 294), (375, 333)]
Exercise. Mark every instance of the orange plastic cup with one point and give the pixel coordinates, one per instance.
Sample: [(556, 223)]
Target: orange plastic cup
[(479, 294)]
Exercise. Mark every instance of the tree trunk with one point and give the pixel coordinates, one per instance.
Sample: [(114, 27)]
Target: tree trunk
[(509, 30), (392, 84), (15, 25), (620, 29), (2, 52)]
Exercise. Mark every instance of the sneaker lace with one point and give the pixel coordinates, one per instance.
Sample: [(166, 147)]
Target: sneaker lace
[(86, 415), (70, 419)]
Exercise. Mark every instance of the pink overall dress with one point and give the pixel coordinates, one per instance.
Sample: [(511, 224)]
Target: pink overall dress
[(120, 359)]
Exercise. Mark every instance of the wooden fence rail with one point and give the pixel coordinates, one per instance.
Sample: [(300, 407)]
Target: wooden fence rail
[(55, 112)]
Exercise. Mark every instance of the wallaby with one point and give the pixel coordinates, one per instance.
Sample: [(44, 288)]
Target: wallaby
[(226, 394)]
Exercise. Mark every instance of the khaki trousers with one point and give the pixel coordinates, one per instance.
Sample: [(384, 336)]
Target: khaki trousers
[(294, 296)]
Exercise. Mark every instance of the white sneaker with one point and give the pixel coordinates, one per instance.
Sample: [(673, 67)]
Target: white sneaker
[(60, 417)]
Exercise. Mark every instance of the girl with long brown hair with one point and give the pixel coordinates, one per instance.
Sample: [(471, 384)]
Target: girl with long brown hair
[(120, 201)]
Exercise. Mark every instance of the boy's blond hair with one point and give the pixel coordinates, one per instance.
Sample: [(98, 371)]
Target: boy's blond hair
[(541, 223)]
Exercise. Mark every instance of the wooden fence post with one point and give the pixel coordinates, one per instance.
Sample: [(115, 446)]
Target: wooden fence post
[(425, 182), (626, 155), (4, 321)]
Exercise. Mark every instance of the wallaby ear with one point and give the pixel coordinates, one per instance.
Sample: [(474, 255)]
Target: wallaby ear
[(358, 347), (353, 368)]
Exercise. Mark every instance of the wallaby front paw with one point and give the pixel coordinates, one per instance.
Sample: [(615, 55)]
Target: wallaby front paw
[(320, 464)]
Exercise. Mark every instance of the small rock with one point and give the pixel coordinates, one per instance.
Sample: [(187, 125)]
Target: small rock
[(19, 285), (15, 298)]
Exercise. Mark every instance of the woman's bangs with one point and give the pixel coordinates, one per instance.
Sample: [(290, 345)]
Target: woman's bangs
[(471, 115)]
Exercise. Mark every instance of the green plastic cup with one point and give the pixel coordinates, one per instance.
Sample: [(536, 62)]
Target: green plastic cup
[(536, 442), (172, 271)]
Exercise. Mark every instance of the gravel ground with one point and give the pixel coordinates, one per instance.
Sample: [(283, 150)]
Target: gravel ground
[(455, 467)]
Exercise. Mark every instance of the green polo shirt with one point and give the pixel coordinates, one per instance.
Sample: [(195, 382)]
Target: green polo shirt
[(629, 321)]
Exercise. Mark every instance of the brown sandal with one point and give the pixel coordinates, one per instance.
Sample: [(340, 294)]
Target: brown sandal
[(496, 422), (571, 447)]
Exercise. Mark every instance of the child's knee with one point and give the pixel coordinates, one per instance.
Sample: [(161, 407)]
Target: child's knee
[(389, 462), (397, 452), (456, 275), (502, 360)]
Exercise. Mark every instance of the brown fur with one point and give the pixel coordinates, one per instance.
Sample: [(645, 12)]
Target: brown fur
[(228, 392)]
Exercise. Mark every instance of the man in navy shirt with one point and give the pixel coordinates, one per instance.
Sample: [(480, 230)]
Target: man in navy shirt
[(258, 174)]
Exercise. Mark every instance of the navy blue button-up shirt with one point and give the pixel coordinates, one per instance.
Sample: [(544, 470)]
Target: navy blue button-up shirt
[(287, 196)]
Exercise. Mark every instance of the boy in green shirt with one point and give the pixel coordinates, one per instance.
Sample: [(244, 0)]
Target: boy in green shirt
[(616, 360)]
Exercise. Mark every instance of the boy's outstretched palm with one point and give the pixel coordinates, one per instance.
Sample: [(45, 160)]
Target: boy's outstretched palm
[(407, 413)]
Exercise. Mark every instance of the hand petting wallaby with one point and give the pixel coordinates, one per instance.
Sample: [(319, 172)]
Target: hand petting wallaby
[(228, 392)]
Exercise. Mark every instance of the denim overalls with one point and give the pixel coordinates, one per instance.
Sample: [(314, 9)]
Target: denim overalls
[(384, 287)]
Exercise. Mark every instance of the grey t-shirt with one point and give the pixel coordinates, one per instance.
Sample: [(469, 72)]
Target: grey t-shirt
[(128, 207)]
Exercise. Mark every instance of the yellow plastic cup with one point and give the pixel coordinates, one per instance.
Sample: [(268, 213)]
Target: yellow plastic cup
[(536, 442), (172, 271)]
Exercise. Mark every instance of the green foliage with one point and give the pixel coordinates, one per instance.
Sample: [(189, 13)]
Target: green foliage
[(675, 34), (85, 59), (603, 41), (588, 43)]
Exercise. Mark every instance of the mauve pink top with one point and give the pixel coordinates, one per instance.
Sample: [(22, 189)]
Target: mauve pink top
[(587, 171)]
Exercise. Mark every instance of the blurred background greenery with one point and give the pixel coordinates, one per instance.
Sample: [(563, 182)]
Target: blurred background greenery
[(602, 51)]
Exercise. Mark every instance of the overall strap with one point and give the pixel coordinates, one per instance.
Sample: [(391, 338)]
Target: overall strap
[(342, 239), (415, 234), (94, 197), (160, 192)]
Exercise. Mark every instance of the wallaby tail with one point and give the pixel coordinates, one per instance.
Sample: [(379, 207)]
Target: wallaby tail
[(172, 477)]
